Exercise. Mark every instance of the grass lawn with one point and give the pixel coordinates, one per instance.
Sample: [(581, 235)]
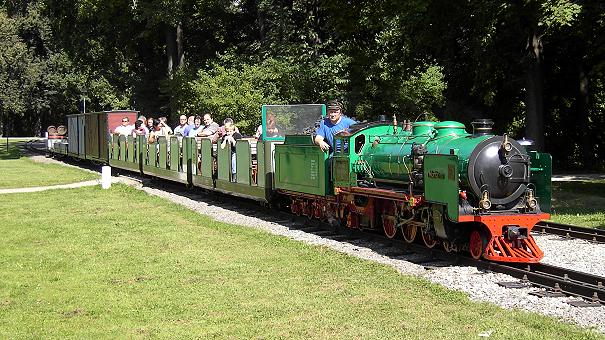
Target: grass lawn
[(20, 172), (91, 263), (579, 203)]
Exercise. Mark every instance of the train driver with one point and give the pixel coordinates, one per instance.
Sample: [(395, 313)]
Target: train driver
[(333, 124)]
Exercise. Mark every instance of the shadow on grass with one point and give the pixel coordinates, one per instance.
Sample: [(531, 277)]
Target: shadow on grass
[(580, 187), (582, 201), (13, 151)]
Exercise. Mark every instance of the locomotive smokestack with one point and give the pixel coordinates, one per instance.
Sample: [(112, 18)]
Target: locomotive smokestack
[(482, 127)]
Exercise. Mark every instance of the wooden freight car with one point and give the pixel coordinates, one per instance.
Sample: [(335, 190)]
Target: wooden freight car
[(89, 133)]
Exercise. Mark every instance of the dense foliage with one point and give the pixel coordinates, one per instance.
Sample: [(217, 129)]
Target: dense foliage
[(535, 67)]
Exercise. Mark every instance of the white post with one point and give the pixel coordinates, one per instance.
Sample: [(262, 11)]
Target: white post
[(105, 177), (48, 142)]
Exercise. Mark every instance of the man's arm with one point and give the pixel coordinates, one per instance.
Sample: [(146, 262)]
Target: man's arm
[(212, 129), (319, 140)]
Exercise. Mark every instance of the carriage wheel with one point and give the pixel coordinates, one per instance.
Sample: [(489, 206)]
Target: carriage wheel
[(476, 244), (295, 207), (429, 240), (409, 233), (448, 246), (304, 208)]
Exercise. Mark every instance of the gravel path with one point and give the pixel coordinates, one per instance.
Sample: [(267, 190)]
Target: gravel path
[(60, 186), (480, 286)]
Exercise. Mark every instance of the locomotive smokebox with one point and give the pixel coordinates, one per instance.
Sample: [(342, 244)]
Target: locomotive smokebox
[(482, 127)]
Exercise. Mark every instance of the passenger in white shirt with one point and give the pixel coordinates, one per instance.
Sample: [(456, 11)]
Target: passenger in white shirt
[(125, 128)]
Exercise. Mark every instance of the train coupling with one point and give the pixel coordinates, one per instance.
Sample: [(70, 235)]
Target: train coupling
[(513, 232)]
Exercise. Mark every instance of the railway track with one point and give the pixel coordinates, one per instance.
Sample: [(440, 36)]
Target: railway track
[(570, 231), (557, 281)]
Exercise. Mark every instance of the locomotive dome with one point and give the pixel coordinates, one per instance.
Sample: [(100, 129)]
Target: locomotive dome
[(447, 128), (422, 128)]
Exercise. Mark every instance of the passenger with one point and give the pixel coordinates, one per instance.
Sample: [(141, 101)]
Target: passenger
[(221, 130), (179, 130), (190, 125), (209, 128), (229, 140), (330, 126), (150, 124), (272, 129), (155, 132), (125, 128), (139, 129), (167, 129), (197, 127)]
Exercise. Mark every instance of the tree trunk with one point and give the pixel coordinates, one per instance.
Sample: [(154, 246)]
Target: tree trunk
[(261, 23), (175, 53), (534, 121), (180, 51), (170, 50), (582, 114)]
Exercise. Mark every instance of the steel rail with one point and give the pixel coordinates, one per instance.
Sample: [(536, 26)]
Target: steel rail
[(552, 278), (570, 231)]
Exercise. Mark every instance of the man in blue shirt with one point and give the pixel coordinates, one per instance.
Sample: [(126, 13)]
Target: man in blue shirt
[(333, 124), (190, 125)]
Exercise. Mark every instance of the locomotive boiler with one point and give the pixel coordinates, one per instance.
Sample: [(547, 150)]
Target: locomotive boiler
[(494, 171)]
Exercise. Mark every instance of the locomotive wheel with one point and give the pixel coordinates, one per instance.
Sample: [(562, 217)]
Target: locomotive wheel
[(476, 245), (409, 233), (429, 239), (388, 224)]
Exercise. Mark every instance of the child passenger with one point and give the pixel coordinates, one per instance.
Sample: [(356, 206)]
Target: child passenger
[(139, 129), (229, 140)]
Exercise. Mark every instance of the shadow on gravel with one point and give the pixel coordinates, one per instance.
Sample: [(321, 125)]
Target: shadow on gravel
[(392, 248)]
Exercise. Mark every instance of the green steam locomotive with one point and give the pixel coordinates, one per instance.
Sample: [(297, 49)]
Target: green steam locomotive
[(474, 192)]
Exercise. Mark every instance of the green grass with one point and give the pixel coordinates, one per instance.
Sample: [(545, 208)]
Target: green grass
[(579, 203), (20, 172), (92, 263)]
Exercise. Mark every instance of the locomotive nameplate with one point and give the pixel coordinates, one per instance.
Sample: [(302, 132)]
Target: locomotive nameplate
[(435, 174)]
